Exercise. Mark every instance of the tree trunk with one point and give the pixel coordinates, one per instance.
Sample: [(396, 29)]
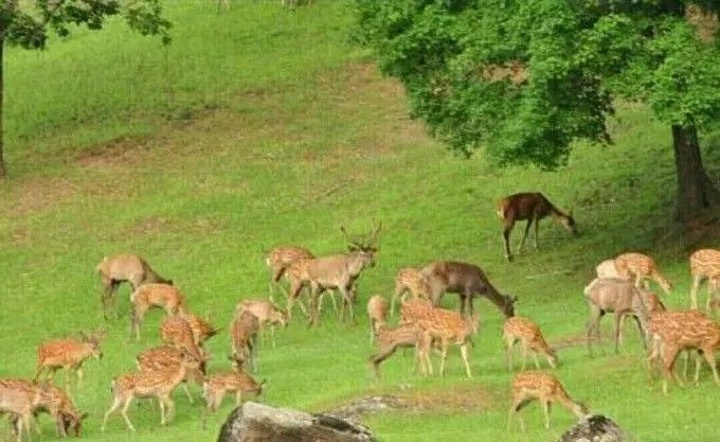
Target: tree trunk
[(696, 193), (2, 107)]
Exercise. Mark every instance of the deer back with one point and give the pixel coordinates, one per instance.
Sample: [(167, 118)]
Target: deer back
[(19, 395), (611, 294), (177, 332), (705, 263), (281, 257)]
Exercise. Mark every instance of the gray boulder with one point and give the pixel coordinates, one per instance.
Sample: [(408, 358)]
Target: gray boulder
[(594, 428), (253, 422)]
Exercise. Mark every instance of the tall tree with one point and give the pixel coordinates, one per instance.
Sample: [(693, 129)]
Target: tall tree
[(526, 78), (26, 23)]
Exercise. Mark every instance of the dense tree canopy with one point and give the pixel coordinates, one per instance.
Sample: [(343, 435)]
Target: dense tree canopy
[(26, 23), (525, 78)]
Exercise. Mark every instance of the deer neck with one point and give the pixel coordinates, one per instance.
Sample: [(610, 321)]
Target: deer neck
[(558, 214), (501, 301)]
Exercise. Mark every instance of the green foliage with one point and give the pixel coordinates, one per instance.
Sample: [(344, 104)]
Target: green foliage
[(575, 56), (26, 23)]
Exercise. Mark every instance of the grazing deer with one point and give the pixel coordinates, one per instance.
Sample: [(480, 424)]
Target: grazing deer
[(639, 267), (238, 381), (412, 280), (148, 384), (405, 335), (279, 260), (468, 281), (704, 264), (653, 304), (267, 313), (679, 330), (444, 327), (201, 328), (165, 358), (618, 296), (176, 332), (69, 354), (544, 387), (532, 207), (113, 270), (153, 295), (61, 408), (243, 338), (377, 309), (20, 396), (335, 271), (529, 334)]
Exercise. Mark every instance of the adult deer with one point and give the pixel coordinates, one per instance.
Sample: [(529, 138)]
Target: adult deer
[(113, 270), (532, 207), (335, 271), (468, 281)]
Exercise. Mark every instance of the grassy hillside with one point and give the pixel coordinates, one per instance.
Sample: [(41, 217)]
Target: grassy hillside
[(260, 127)]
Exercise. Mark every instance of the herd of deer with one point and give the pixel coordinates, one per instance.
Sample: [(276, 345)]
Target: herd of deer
[(621, 287)]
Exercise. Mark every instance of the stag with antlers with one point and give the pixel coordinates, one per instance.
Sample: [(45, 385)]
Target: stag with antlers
[(336, 272)]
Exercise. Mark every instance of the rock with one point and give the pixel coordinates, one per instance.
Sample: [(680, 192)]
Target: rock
[(594, 428), (253, 422)]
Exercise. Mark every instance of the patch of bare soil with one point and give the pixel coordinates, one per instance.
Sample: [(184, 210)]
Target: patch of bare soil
[(156, 225), (39, 194), (446, 400), (122, 150)]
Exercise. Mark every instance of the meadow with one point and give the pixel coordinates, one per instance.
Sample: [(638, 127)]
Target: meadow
[(261, 127)]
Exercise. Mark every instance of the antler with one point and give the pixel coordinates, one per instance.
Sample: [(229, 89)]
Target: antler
[(353, 243), (374, 236)]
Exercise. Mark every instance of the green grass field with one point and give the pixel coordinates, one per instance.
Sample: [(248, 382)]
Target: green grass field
[(261, 127)]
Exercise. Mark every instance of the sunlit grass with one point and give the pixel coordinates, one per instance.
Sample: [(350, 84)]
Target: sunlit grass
[(260, 127)]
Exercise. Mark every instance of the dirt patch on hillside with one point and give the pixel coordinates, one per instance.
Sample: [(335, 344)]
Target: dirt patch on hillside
[(155, 225), (121, 150), (465, 399), (39, 194)]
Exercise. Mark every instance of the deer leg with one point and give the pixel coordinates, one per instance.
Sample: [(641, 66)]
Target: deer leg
[(187, 392), (331, 293), (398, 294), (444, 357), (524, 349), (170, 404), (466, 360), (116, 404), (80, 376), (669, 355), (161, 402), (546, 410), (618, 319), (537, 361), (509, 343), (314, 306), (593, 326), (537, 227), (506, 240), (709, 354), (643, 338), (525, 234)]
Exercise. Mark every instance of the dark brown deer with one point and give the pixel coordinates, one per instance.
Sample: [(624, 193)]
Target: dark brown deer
[(335, 271), (114, 270), (532, 207), (468, 281)]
